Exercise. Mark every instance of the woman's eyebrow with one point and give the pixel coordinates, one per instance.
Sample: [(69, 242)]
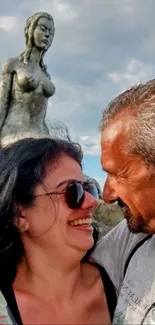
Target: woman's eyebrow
[(66, 182)]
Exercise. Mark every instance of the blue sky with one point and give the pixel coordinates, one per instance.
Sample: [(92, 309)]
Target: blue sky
[(100, 48), (91, 166)]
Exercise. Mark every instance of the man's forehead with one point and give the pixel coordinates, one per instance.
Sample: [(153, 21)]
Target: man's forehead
[(108, 155), (114, 130), (114, 139), (107, 164)]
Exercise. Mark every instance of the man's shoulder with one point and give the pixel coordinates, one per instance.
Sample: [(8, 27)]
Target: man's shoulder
[(118, 232), (113, 250), (120, 237)]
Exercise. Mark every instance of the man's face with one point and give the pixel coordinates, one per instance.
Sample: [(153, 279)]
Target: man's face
[(128, 179)]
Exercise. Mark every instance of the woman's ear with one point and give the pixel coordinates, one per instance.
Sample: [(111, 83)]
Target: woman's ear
[(20, 220)]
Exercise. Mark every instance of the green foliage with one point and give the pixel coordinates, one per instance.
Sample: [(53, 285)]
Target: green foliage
[(108, 214)]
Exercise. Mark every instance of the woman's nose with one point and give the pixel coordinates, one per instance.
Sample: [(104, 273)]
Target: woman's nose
[(89, 201)]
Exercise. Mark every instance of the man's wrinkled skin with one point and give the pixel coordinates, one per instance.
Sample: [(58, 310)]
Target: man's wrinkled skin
[(128, 179)]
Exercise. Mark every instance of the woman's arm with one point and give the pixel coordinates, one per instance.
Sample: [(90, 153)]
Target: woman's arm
[(5, 90)]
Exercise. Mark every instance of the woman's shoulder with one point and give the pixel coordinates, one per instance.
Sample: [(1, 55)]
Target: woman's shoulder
[(9, 65), (91, 274), (95, 272), (101, 281)]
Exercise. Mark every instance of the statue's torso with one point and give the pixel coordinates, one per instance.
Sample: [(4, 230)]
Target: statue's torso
[(30, 91)]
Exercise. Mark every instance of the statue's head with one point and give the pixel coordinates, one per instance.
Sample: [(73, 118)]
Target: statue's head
[(39, 31)]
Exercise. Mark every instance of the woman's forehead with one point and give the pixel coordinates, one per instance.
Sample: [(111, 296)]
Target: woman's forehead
[(63, 169)]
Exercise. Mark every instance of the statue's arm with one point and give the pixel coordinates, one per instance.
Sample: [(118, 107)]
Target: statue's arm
[(5, 90)]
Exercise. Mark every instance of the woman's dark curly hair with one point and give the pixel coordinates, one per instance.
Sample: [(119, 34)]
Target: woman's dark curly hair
[(22, 167)]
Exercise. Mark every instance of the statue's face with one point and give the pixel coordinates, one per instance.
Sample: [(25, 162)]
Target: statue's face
[(43, 33)]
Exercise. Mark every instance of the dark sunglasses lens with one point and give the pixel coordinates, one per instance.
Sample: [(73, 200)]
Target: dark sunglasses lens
[(75, 195), (92, 189)]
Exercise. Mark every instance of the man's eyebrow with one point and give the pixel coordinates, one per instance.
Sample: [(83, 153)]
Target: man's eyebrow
[(104, 169), (108, 171)]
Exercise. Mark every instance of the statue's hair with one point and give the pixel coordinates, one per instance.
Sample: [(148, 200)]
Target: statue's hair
[(137, 102), (29, 30), (94, 181)]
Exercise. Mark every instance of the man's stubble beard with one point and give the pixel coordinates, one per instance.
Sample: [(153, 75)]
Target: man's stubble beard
[(135, 225)]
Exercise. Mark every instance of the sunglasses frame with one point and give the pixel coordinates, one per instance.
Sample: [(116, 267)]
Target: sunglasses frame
[(78, 205)]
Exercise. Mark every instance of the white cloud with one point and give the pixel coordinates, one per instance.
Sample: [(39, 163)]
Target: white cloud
[(92, 42), (100, 48), (8, 22), (135, 71), (61, 10), (74, 105), (90, 145), (64, 11), (127, 7)]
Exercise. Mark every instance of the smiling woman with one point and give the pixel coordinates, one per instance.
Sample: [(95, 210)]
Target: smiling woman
[(46, 234)]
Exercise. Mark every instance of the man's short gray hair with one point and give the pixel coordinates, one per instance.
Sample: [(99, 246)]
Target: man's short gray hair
[(139, 102)]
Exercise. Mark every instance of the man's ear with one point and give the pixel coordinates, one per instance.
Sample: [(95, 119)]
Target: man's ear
[(20, 220)]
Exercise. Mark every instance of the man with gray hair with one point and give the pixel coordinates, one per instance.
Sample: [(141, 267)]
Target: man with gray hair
[(128, 156)]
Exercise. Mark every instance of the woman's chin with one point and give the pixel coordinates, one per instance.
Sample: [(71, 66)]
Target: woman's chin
[(81, 237), (84, 244)]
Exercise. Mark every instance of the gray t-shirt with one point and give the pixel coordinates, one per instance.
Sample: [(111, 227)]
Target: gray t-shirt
[(5, 315), (137, 290)]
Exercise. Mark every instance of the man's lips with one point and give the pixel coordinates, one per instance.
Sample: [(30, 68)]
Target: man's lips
[(126, 210), (121, 203)]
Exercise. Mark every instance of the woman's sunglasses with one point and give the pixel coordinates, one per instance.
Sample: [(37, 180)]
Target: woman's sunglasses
[(75, 193)]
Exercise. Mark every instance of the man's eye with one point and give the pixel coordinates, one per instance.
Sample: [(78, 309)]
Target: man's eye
[(111, 174)]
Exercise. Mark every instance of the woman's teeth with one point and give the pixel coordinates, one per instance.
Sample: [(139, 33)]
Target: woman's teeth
[(87, 221)]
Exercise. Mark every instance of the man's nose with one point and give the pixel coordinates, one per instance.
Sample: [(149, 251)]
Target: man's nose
[(89, 201), (109, 194)]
